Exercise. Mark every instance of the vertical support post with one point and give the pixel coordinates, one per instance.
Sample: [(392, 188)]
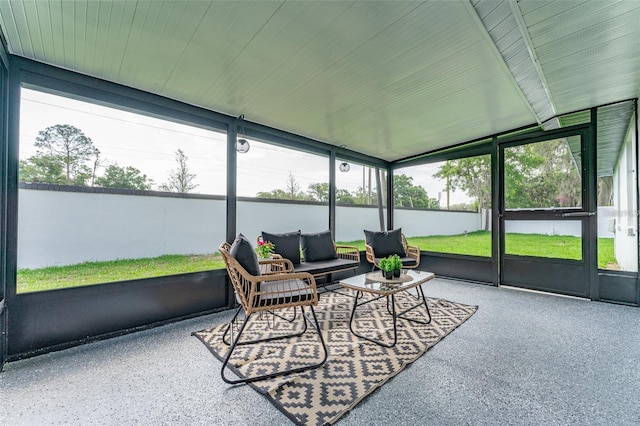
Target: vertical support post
[(4, 142), (590, 200), (11, 183), (637, 189), (231, 200), (497, 185), (232, 165), (332, 193), (390, 211), (10, 153), (379, 193)]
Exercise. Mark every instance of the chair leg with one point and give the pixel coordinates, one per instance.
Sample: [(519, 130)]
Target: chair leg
[(250, 342), (233, 346), (295, 315), (319, 331), (329, 280), (235, 343), (230, 326)]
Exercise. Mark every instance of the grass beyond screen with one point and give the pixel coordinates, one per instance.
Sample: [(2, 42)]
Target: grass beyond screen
[(474, 243)]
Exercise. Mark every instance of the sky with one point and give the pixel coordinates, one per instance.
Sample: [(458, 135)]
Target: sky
[(150, 144), (128, 139)]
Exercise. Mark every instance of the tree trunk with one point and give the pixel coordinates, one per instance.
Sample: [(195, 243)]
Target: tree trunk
[(486, 219)]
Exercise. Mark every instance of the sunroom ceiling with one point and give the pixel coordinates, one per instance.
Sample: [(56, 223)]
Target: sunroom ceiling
[(389, 79)]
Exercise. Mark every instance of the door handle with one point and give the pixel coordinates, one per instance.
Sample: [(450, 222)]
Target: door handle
[(578, 214)]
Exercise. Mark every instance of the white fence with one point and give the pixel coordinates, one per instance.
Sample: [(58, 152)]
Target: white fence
[(63, 228), (416, 223), (564, 227)]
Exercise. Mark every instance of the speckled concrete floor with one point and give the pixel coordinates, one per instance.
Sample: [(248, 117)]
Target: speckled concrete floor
[(523, 358)]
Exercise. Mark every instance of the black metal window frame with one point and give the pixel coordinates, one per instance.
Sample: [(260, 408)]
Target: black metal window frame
[(41, 77), (210, 289)]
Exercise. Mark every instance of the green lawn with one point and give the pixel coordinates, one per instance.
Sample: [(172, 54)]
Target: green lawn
[(474, 243), (116, 270), (479, 244)]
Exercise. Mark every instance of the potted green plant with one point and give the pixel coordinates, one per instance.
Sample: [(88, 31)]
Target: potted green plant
[(386, 267), (396, 265), (265, 249)]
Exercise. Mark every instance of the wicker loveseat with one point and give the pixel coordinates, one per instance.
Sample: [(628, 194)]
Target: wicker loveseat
[(316, 254)]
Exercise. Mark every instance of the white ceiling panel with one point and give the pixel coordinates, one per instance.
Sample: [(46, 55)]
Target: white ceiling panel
[(589, 51), (390, 79)]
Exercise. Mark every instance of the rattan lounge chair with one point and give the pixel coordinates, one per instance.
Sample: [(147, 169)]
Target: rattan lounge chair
[(273, 291), (383, 244)]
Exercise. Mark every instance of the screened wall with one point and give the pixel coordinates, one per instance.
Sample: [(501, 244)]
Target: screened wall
[(153, 186)]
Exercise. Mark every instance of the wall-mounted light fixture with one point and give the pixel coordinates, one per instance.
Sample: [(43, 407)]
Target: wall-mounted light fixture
[(344, 166), (242, 145)]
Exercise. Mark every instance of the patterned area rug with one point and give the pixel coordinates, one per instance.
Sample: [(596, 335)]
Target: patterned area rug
[(354, 368)]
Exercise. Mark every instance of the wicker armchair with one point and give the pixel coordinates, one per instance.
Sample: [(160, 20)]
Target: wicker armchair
[(279, 288), (347, 252), (410, 260)]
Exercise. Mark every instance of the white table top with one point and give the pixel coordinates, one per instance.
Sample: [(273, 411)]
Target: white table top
[(376, 284)]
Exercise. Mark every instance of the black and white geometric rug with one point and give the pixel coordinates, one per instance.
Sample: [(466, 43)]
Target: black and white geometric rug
[(354, 368)]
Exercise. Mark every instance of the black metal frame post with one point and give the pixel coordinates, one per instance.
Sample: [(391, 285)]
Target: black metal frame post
[(332, 193), (590, 204), (380, 201), (232, 165), (637, 206), (497, 189), (4, 143)]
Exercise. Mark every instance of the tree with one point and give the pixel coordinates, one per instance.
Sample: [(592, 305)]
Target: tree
[(605, 190), (522, 174), (291, 191), (62, 157), (469, 207), (319, 192), (406, 194), (537, 175), (68, 146), (345, 197), (276, 194), (180, 180), (97, 162), (293, 188), (561, 175), (365, 195), (471, 175), (541, 175), (42, 169), (316, 192), (124, 178)]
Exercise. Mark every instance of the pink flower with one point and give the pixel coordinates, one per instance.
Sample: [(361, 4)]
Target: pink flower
[(265, 248)]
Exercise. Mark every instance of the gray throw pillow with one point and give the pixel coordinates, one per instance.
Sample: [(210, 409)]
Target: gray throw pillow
[(318, 246), (242, 251), (385, 243), (287, 245)]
